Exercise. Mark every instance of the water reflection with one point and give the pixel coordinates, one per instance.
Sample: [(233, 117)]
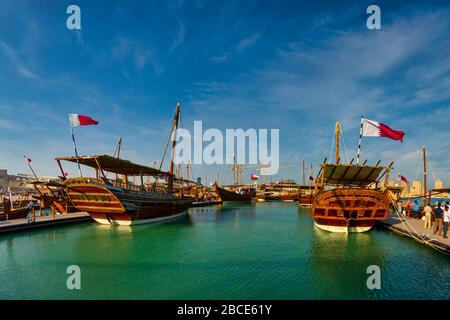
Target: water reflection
[(222, 213), (339, 263)]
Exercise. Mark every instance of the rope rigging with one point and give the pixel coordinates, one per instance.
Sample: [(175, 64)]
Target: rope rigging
[(405, 222)]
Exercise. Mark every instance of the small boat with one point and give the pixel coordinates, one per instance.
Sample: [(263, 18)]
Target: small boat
[(306, 196), (16, 211), (264, 195), (235, 195), (279, 191)]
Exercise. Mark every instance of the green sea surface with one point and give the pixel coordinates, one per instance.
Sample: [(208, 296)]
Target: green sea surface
[(236, 251)]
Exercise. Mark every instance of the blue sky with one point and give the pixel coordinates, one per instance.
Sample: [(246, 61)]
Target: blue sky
[(297, 66)]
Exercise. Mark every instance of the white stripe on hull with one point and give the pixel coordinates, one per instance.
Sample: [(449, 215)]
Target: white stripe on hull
[(101, 221), (341, 229), (141, 221)]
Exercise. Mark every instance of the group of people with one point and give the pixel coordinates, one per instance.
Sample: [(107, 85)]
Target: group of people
[(441, 215)]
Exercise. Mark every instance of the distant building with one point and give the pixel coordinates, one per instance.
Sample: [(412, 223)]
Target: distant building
[(438, 184), (3, 178), (405, 189), (416, 188), (8, 181)]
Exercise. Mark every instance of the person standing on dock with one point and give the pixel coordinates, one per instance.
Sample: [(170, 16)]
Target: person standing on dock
[(438, 213), (427, 211), (416, 209), (446, 219)]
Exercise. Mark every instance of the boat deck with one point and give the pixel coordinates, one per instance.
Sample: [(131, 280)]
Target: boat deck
[(414, 229), (42, 221)]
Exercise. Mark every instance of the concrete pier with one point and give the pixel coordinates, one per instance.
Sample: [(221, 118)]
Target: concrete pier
[(414, 229), (13, 225)]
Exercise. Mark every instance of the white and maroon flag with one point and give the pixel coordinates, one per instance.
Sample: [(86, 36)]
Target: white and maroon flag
[(254, 177), (402, 178), (372, 128), (81, 120)]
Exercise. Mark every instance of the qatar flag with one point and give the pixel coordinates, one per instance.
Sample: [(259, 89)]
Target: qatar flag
[(377, 129), (254, 177), (80, 120), (402, 178)]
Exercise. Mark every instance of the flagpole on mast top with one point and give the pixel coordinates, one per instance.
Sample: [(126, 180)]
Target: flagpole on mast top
[(28, 160), (75, 146), (360, 139)]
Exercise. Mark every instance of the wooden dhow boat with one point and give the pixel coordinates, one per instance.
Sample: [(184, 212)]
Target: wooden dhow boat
[(8, 213), (235, 195), (355, 201), (119, 201), (349, 197), (15, 209)]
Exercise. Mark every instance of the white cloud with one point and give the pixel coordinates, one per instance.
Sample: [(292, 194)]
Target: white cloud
[(126, 48), (247, 42), (239, 48), (17, 62), (179, 39)]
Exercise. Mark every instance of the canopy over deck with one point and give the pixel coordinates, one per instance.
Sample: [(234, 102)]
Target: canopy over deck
[(350, 175), (114, 165)]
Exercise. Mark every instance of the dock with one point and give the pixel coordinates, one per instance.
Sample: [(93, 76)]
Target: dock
[(13, 225), (8, 226), (414, 229)]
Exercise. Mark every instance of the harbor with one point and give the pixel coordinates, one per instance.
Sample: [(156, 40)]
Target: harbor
[(269, 250), (276, 240)]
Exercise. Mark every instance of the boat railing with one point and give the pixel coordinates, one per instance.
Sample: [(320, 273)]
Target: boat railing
[(118, 183)]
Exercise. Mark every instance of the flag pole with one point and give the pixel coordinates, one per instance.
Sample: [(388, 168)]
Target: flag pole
[(360, 139), (76, 152), (29, 165)]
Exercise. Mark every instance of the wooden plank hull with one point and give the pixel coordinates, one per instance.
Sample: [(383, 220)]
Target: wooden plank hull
[(349, 209), (226, 195), (119, 206)]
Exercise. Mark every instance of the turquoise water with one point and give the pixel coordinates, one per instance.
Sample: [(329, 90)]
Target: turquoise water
[(263, 251)]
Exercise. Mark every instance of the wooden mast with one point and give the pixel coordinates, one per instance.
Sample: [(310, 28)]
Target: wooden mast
[(117, 151), (310, 174), (303, 168), (188, 171), (174, 142), (117, 154), (234, 170), (424, 176), (338, 132)]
